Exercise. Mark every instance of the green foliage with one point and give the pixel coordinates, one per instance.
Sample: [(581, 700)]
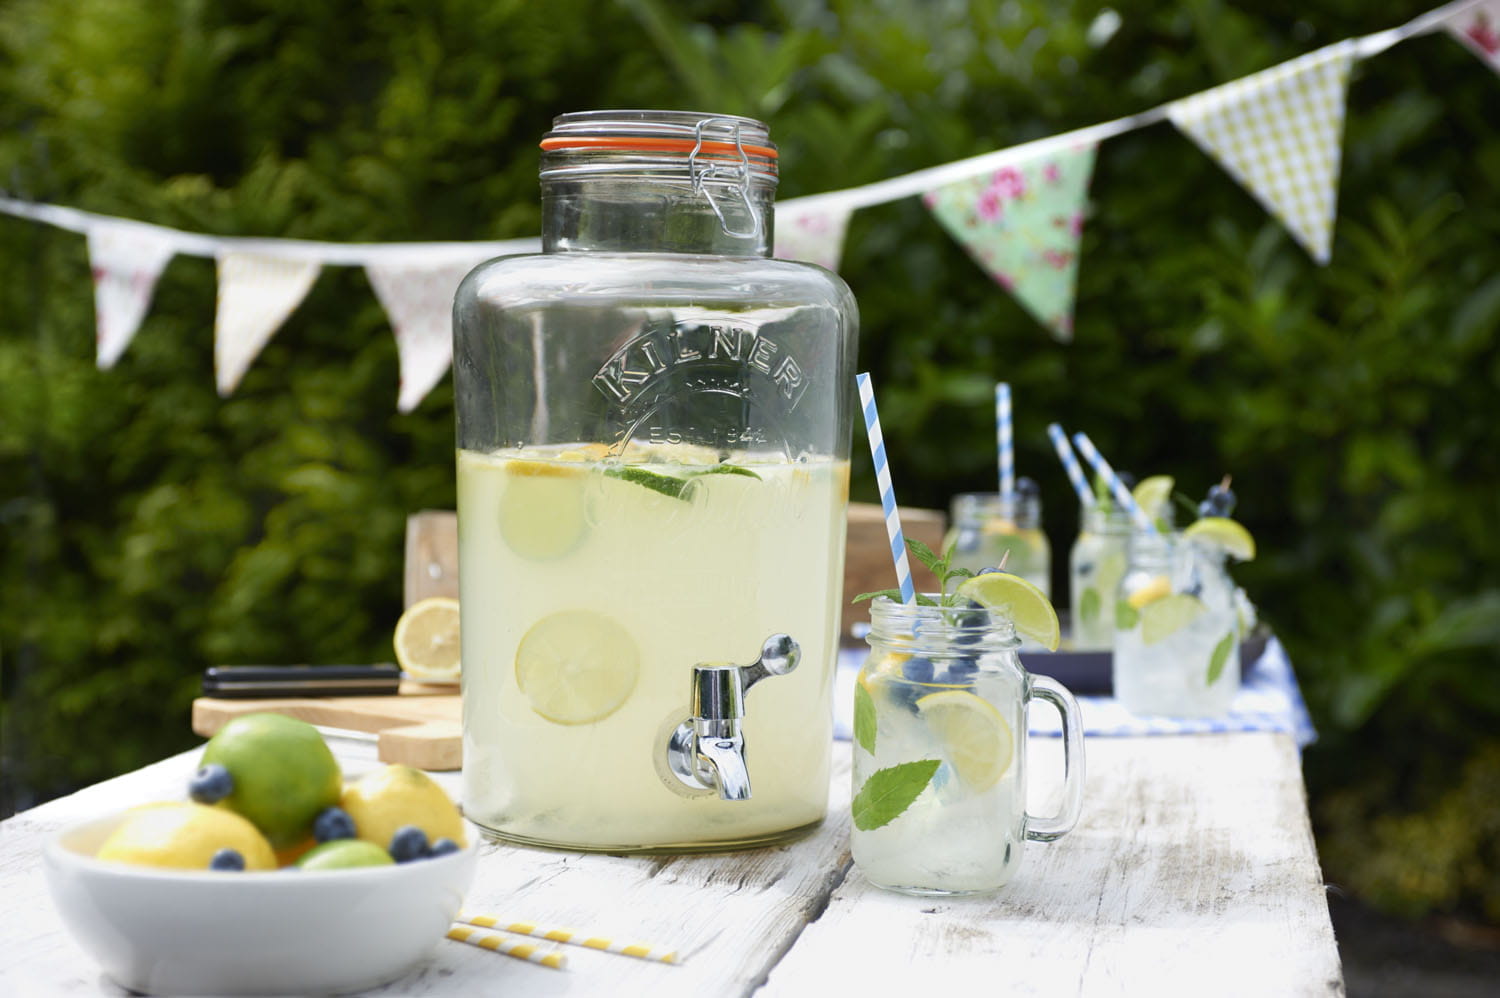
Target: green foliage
[(152, 528)]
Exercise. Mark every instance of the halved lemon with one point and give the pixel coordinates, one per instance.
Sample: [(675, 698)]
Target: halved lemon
[(427, 645), (1222, 532), (1168, 615), (1026, 605), (577, 666), (542, 508), (1154, 494), (976, 737)]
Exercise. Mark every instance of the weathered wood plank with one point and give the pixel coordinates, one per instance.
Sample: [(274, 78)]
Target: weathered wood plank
[(1193, 871)]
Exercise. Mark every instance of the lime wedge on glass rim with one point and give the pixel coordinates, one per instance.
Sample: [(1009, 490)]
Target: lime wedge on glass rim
[(1026, 605), (1222, 532), (976, 737), (1153, 494)]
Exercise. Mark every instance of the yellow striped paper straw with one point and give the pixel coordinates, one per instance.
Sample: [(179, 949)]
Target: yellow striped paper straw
[(510, 947), (641, 951)]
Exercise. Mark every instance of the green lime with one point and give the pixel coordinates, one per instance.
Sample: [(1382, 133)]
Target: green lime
[(976, 737), (1222, 532), (1026, 605), (182, 835), (283, 774), (577, 666), (383, 801), (656, 481), (342, 854), (1166, 616)]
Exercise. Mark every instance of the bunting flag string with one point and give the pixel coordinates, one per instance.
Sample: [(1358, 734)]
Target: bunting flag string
[(1018, 211)]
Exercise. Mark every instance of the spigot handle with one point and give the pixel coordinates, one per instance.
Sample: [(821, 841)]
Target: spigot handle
[(778, 656)]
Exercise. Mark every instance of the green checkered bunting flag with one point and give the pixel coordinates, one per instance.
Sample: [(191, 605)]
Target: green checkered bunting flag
[(1280, 134)]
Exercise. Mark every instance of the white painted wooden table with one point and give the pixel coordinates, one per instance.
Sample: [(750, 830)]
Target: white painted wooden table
[(1193, 871)]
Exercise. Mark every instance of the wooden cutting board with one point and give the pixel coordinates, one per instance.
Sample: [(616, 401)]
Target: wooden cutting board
[(421, 726)]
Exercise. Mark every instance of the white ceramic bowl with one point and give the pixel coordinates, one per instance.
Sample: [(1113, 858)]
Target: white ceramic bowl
[(282, 932)]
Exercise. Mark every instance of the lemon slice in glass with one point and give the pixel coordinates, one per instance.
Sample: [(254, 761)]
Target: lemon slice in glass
[(1026, 605), (976, 738), (1164, 617), (577, 666), (427, 645), (1151, 592), (1222, 532), (1154, 494), (542, 508)]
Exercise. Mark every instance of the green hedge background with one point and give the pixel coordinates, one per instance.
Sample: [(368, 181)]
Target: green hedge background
[(151, 528)]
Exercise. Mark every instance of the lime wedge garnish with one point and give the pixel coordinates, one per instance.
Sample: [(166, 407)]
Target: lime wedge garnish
[(1150, 592), (1222, 532), (577, 667), (1153, 494), (976, 737), (1026, 605), (1168, 615)]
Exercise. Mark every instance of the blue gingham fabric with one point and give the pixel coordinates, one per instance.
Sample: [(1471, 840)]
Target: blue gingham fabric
[(1269, 700)]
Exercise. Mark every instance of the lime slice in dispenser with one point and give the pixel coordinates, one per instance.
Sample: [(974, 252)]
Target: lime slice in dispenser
[(1026, 605), (1222, 532), (975, 736), (542, 508), (1164, 617), (577, 667)]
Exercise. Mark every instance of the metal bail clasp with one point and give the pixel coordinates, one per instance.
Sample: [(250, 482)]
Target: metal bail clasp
[(707, 751), (703, 172)]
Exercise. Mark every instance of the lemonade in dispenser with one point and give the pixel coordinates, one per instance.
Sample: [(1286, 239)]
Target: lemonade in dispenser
[(653, 444)]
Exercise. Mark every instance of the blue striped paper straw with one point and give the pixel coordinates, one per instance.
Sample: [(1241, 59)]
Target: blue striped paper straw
[(887, 493), (1003, 443), (1116, 487), (1070, 463)]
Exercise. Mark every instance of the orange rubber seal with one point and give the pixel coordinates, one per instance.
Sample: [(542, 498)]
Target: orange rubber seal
[(646, 143)]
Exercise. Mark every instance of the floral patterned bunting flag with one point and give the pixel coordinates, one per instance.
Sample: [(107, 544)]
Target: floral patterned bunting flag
[(1022, 224), (256, 294), (811, 234), (418, 299), (1478, 28), (1280, 134), (125, 259)]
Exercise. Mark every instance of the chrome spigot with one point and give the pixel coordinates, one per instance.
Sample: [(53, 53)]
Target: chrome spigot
[(707, 751)]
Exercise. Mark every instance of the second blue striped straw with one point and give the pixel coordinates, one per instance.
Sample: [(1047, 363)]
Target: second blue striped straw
[(1070, 463), (887, 491), (1003, 444), (1116, 487)]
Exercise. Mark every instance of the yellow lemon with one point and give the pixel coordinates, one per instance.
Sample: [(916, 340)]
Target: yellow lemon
[(427, 640), (184, 836), (383, 801), (1150, 592)]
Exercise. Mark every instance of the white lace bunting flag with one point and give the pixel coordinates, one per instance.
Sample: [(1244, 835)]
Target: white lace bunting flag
[(126, 259), (1022, 223), (418, 299), (256, 294), (1280, 134)]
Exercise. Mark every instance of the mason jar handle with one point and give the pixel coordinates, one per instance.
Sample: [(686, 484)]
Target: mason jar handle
[(1046, 829)]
